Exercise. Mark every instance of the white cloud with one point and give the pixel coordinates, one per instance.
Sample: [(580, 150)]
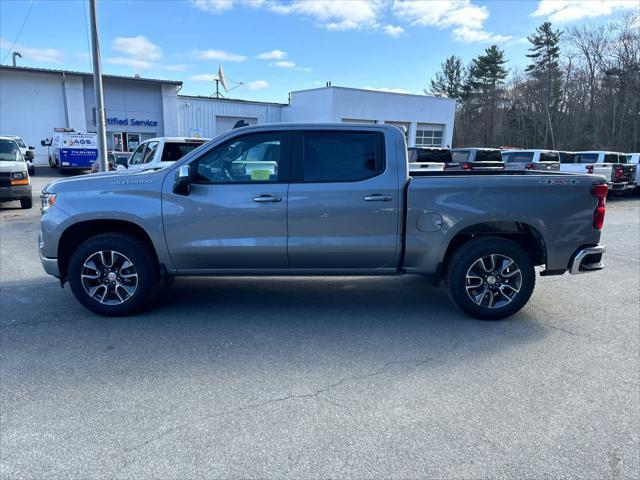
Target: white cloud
[(572, 10), (47, 55), (175, 68), (388, 90), (272, 55), (257, 85), (392, 30), (131, 62), (285, 64), (213, 6), (219, 55), (334, 14), (465, 18), (139, 48), (203, 77)]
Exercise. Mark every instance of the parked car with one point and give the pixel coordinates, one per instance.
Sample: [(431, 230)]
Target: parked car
[(428, 158), (15, 183), (573, 162), (115, 161), (634, 159), (162, 151), (27, 153), (341, 202), (482, 159), (622, 175), (531, 159), (71, 150)]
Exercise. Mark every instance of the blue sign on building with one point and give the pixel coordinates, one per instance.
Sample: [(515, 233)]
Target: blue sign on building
[(132, 121)]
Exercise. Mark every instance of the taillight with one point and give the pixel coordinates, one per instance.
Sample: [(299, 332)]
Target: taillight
[(619, 172), (600, 192), (466, 166), (529, 166), (590, 169)]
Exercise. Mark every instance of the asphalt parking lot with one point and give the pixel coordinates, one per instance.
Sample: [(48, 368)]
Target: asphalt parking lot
[(320, 377)]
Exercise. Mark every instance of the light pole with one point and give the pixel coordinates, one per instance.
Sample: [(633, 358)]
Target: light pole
[(97, 90)]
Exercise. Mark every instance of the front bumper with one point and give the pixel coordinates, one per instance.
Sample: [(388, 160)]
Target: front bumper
[(588, 259), (15, 193), (50, 265)]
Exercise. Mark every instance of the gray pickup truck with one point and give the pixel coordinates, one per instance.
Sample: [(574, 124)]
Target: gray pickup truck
[(318, 199)]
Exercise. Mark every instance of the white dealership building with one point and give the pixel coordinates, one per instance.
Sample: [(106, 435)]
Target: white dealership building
[(33, 101)]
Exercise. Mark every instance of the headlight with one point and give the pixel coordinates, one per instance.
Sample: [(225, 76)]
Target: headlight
[(19, 178), (47, 200)]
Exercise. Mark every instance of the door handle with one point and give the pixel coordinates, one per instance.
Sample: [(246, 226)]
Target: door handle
[(267, 199), (376, 197)]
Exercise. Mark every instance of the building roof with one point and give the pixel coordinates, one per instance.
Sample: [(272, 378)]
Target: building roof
[(86, 74), (368, 90), (234, 100)]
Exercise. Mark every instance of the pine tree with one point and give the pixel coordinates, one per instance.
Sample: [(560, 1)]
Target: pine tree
[(545, 70), (486, 77), (449, 81)]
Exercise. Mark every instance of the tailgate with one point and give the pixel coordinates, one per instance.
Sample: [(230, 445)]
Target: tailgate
[(624, 173)]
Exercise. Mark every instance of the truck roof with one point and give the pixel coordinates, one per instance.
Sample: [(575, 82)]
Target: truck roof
[(600, 151)]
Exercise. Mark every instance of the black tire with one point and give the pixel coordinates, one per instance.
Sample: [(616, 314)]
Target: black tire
[(133, 250), (26, 202), (32, 171), (493, 303)]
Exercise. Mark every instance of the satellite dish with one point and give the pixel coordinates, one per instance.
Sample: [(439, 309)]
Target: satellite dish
[(223, 81)]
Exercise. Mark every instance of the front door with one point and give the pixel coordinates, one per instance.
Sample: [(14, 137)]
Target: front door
[(235, 216), (343, 202)]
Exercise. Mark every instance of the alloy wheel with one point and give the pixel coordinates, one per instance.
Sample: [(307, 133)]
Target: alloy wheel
[(493, 281), (109, 277)]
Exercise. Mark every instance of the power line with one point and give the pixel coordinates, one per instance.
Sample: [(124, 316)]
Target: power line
[(24, 22)]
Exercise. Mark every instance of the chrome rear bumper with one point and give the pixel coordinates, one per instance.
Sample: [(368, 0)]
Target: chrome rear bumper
[(587, 260)]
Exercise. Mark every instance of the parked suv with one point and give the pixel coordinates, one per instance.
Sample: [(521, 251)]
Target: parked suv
[(483, 159), (531, 159), (15, 183)]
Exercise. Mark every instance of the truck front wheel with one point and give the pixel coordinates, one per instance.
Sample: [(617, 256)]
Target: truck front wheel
[(113, 274), (490, 278)]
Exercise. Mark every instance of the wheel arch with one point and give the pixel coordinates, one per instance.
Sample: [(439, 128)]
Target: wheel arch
[(77, 233), (525, 235)]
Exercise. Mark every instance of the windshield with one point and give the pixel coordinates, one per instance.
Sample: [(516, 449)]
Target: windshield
[(9, 151), (20, 142), (175, 151), (425, 155), (461, 156)]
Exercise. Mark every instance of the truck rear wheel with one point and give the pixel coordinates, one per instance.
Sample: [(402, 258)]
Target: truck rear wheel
[(113, 274), (490, 278)]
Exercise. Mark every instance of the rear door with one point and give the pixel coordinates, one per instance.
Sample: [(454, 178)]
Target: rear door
[(233, 218), (343, 201)]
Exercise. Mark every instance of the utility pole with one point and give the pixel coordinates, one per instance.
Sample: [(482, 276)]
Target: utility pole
[(97, 89)]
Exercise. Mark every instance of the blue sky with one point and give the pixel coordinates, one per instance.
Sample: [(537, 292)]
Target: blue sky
[(276, 46)]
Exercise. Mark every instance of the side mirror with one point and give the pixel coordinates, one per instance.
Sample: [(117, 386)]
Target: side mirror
[(43, 143), (182, 183), (28, 155), (31, 147)]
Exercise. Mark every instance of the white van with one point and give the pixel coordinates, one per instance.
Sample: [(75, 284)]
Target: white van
[(71, 150)]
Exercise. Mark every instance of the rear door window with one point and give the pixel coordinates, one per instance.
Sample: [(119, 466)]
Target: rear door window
[(175, 151), (341, 156)]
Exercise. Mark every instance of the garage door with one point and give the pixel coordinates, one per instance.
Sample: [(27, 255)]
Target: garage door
[(224, 124)]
